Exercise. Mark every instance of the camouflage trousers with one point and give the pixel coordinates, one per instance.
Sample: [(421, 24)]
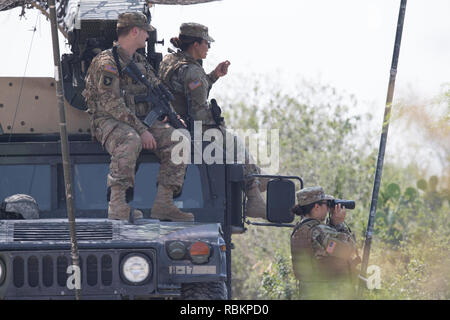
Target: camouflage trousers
[(123, 143), (249, 164)]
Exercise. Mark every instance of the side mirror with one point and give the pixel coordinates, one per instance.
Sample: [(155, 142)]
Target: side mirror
[(280, 200)]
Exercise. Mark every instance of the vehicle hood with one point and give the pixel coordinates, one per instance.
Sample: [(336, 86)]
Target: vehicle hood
[(56, 231)]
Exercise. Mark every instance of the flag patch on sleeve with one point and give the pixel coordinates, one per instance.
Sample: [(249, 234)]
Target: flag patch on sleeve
[(194, 84), (110, 68), (331, 246)]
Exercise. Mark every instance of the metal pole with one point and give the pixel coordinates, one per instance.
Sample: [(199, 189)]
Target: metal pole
[(64, 145), (384, 133)]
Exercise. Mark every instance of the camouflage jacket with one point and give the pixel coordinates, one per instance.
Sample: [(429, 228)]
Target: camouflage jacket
[(185, 76), (110, 96), (322, 251)]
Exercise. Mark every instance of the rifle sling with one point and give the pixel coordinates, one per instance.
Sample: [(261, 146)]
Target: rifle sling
[(131, 72), (116, 59)]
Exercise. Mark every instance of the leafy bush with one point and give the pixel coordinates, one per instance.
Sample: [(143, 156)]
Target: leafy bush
[(323, 144)]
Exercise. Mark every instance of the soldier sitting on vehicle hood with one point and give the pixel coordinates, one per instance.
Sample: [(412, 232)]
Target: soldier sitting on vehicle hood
[(115, 122), (183, 73)]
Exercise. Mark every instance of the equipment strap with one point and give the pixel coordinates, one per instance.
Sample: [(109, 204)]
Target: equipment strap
[(116, 59), (132, 70), (302, 223)]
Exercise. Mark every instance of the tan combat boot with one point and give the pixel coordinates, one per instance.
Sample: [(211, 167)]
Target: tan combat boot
[(118, 209), (256, 206), (137, 214), (164, 209)]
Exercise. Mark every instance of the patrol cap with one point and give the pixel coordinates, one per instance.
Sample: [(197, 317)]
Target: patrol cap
[(134, 19), (312, 194), (197, 30)]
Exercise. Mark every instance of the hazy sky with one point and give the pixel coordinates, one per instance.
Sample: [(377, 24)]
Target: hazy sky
[(347, 44)]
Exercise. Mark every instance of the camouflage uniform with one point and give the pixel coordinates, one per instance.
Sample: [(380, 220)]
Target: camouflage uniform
[(323, 255), (185, 76), (115, 120)]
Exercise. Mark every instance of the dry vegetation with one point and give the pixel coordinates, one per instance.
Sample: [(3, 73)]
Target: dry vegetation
[(321, 143)]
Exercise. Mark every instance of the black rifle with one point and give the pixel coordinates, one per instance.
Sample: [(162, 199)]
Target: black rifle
[(216, 112), (188, 118), (158, 95)]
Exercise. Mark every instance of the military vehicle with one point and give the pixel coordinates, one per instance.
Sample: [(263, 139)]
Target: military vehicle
[(135, 259)]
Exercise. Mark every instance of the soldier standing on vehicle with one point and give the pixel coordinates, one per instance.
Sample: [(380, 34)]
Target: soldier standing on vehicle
[(115, 122), (324, 255), (183, 73)]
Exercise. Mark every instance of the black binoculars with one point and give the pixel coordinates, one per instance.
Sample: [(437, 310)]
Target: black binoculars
[(348, 204)]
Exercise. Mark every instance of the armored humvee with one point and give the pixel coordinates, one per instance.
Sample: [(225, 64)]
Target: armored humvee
[(135, 259)]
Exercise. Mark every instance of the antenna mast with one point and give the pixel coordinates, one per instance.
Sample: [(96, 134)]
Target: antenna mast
[(65, 149)]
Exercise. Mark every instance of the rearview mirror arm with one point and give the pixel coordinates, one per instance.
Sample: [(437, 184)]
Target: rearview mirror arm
[(270, 224), (277, 177)]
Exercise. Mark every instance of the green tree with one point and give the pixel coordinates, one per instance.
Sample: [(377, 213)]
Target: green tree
[(317, 143), (324, 144)]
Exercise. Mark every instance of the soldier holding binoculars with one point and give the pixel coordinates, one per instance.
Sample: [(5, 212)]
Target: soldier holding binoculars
[(324, 254)]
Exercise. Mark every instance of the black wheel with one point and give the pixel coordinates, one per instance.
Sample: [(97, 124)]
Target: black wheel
[(204, 291)]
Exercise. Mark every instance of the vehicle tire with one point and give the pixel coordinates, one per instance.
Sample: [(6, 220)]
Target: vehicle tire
[(204, 291)]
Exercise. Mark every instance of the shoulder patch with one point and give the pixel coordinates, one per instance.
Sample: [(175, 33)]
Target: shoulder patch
[(107, 81), (331, 246), (110, 68), (194, 84)]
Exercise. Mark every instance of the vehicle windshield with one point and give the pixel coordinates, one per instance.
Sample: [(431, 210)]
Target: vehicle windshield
[(90, 187), (34, 180), (41, 181)]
